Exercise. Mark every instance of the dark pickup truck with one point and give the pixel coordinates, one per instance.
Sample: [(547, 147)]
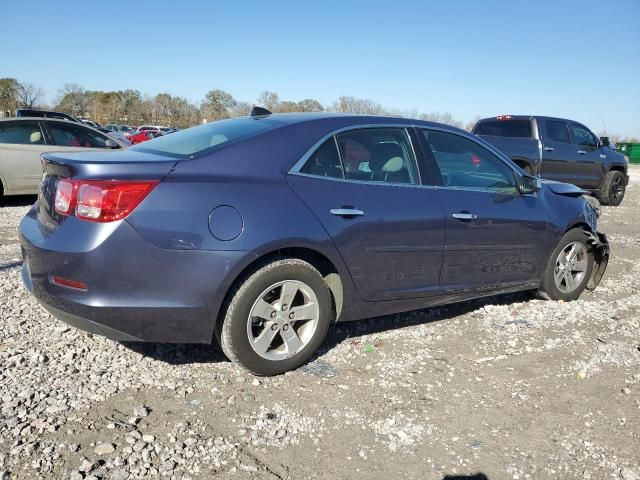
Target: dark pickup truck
[(559, 149)]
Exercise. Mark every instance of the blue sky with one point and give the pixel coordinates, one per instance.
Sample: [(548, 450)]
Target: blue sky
[(577, 59)]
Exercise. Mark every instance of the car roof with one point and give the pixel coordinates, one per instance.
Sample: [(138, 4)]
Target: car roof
[(353, 119), (527, 117)]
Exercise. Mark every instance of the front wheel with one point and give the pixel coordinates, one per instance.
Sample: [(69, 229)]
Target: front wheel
[(569, 268), (277, 318), (613, 188)]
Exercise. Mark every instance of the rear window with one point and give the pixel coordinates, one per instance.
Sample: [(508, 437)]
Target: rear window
[(504, 128), (192, 141)]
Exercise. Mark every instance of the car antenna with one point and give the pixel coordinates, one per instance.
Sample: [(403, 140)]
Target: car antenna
[(259, 112), (604, 126)]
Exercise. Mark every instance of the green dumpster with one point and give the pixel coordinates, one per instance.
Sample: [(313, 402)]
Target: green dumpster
[(630, 150)]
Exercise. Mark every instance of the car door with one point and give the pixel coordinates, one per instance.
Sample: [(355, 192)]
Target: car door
[(364, 187), (559, 159), (495, 236), (72, 136), (21, 143), (589, 156)]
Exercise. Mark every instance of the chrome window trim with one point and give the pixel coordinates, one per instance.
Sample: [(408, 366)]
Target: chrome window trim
[(363, 182), (295, 169), (300, 163)]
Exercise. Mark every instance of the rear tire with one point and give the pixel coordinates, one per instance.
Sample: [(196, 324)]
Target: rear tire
[(568, 269), (613, 188), (277, 318)]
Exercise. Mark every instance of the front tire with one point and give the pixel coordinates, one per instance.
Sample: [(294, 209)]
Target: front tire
[(277, 318), (569, 268), (613, 188)]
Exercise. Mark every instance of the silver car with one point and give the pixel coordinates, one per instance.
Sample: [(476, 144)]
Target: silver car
[(24, 139)]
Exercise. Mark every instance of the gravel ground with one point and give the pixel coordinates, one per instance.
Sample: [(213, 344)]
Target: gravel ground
[(509, 387)]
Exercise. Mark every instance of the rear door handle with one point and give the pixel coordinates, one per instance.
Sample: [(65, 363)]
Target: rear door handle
[(346, 212), (549, 149), (464, 216), (581, 152)]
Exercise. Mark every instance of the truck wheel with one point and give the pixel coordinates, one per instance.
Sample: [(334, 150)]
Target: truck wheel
[(613, 188), (277, 318), (568, 269)]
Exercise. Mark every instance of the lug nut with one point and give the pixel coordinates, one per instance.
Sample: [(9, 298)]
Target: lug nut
[(285, 307), (274, 314), (292, 316), (274, 326), (285, 327)]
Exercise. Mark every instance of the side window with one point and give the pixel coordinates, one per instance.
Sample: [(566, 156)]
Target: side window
[(325, 161), (21, 133), (558, 131), (464, 163), (583, 137), (378, 155), (75, 135)]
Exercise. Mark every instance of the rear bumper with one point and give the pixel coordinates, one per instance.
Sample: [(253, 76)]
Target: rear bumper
[(135, 291)]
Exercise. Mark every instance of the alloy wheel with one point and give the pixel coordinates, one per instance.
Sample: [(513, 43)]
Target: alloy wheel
[(283, 320), (571, 267)]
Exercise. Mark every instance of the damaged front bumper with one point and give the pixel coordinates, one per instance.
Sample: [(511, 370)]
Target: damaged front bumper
[(599, 248)]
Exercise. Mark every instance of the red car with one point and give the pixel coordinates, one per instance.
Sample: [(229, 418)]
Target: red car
[(144, 135)]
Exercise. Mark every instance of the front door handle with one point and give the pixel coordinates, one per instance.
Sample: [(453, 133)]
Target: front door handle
[(549, 149), (464, 216), (346, 212), (581, 152)]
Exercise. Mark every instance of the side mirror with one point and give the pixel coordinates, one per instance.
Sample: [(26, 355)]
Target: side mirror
[(528, 184), (604, 141), (111, 144)]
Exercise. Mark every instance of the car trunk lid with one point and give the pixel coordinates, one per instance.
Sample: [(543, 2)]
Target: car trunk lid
[(126, 165)]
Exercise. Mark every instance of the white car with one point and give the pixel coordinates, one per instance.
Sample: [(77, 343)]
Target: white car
[(24, 139), (154, 127)]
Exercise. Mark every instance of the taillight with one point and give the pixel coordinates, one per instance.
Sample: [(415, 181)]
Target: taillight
[(65, 195), (101, 200)]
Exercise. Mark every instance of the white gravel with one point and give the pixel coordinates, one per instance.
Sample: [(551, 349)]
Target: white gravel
[(510, 386)]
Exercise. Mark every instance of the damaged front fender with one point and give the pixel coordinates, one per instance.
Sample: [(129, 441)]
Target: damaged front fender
[(599, 248)]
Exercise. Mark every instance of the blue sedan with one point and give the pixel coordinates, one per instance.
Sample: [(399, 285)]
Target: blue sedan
[(259, 232)]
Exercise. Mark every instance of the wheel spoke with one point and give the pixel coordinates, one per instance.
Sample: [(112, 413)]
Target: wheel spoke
[(305, 312), (571, 253), (580, 265), (558, 276), (569, 281), (291, 340), (263, 342), (263, 309), (288, 293)]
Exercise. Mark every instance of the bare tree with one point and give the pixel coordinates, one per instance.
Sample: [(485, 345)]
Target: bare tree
[(438, 117), (29, 95), (269, 100), (357, 105), (73, 99), (240, 109), (469, 126)]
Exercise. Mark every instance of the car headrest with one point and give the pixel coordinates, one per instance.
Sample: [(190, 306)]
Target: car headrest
[(393, 165), (386, 157), (35, 137)]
